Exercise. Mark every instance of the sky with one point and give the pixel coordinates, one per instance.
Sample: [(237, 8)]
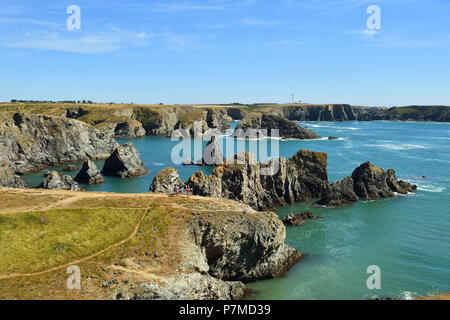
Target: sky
[(227, 51)]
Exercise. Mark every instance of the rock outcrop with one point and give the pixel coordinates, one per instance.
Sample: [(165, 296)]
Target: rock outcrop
[(89, 174), (129, 129), (332, 112), (8, 178), (241, 247), (259, 121), (367, 182), (164, 121), (212, 154), (124, 162), (193, 286), (165, 181), (32, 142), (298, 219), (302, 177), (52, 180)]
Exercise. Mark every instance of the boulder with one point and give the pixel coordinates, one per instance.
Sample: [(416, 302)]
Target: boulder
[(52, 180), (129, 129), (165, 181), (89, 174), (332, 138), (257, 125), (124, 162), (298, 219)]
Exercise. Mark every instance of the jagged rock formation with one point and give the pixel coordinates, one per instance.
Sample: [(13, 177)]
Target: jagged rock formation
[(124, 162), (367, 182), (298, 219), (165, 181), (302, 177), (286, 129), (333, 112), (89, 174), (32, 142), (246, 248), (212, 154), (193, 286), (164, 121), (129, 129), (52, 180), (236, 113), (8, 178)]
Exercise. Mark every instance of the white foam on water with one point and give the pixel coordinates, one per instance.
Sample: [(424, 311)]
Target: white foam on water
[(430, 188), (404, 146), (158, 164)]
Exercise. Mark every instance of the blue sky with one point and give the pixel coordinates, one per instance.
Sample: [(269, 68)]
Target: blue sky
[(225, 51)]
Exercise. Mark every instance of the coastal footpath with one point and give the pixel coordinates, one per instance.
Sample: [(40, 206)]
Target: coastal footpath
[(145, 246)]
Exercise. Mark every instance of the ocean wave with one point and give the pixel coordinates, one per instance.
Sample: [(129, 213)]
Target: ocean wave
[(430, 188), (158, 164), (404, 146)]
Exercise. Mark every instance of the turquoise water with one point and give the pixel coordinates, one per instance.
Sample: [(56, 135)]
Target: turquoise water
[(408, 237)]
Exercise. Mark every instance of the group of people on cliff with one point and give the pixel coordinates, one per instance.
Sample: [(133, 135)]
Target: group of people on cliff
[(180, 189)]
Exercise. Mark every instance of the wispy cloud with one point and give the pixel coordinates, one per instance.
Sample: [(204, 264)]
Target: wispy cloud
[(254, 22)]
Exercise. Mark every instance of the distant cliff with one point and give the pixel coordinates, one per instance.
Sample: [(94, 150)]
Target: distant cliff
[(32, 142), (346, 112)]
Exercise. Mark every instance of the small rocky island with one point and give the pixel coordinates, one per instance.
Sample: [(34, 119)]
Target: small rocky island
[(124, 162), (258, 125)]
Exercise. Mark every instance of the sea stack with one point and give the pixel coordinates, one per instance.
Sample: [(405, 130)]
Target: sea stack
[(124, 162), (89, 174), (165, 181), (212, 154)]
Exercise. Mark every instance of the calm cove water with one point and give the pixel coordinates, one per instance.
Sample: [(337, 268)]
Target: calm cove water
[(408, 237)]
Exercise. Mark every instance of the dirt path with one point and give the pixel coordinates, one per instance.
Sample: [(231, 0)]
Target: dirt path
[(135, 230)]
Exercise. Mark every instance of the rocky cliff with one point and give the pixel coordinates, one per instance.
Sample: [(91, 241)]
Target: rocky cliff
[(141, 246), (302, 177), (366, 182), (32, 142), (286, 129)]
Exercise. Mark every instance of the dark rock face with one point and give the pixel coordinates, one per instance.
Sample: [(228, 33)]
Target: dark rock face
[(287, 129), (415, 113), (298, 219), (251, 247), (371, 182), (212, 154), (52, 180), (367, 182), (89, 174), (124, 162), (33, 142), (129, 129), (339, 193), (70, 168), (165, 181), (302, 177), (333, 112), (8, 178)]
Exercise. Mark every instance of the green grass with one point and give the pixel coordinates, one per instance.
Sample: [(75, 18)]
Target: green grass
[(35, 241)]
